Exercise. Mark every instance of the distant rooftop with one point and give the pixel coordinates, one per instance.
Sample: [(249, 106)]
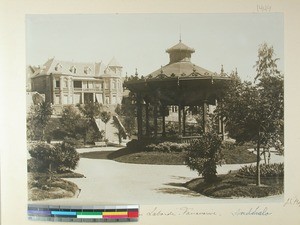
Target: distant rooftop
[(55, 66)]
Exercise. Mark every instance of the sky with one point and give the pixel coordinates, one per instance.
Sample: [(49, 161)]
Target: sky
[(139, 41)]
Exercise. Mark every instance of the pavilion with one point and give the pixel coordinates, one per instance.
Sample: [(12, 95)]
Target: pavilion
[(180, 83)]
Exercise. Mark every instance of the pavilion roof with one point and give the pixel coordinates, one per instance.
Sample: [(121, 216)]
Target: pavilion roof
[(181, 69), (180, 47)]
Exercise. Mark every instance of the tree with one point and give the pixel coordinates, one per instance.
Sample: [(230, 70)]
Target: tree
[(105, 117), (204, 154), (254, 112), (37, 120), (127, 113), (90, 111), (54, 158), (72, 123)]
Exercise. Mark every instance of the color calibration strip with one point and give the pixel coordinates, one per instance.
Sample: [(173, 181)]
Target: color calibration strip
[(123, 213)]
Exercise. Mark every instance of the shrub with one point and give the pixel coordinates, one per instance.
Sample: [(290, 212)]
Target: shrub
[(74, 142), (57, 158), (43, 154), (266, 170), (67, 156), (34, 165), (136, 145), (167, 147), (203, 156)]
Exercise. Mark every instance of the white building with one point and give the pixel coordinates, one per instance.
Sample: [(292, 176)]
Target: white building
[(70, 83)]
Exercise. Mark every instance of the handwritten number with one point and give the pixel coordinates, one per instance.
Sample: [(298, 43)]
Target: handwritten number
[(264, 8)]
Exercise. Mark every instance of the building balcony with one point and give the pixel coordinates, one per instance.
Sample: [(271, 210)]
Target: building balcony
[(87, 90)]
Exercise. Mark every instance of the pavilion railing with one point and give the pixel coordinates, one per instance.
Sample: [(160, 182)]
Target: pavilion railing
[(189, 139)]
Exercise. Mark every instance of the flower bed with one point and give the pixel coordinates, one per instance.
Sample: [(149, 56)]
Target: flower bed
[(266, 170)]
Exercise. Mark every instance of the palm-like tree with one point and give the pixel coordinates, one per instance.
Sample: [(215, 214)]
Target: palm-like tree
[(105, 117)]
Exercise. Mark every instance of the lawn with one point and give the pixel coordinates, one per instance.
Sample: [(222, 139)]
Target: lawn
[(230, 186), (237, 155), (155, 158)]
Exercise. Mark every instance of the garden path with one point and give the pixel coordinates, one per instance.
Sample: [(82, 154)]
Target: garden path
[(110, 182)]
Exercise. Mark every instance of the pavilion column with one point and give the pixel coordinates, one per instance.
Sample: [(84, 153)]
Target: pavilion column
[(163, 122), (183, 120), (204, 114), (179, 121), (155, 115), (147, 119), (139, 116), (221, 123)]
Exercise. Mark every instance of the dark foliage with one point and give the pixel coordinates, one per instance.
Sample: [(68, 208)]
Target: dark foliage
[(53, 158), (203, 156)]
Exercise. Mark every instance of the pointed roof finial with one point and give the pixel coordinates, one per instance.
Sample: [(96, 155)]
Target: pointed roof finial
[(180, 33), (136, 72), (161, 70), (222, 69)]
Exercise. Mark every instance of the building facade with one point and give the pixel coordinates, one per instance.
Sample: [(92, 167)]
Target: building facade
[(70, 83)]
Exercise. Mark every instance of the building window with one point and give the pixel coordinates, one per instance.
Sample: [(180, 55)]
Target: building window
[(114, 85), (57, 84), (106, 85), (73, 69), (65, 83), (114, 99), (99, 98), (107, 100), (90, 84), (58, 67), (57, 99), (77, 84), (65, 99), (87, 70), (84, 84)]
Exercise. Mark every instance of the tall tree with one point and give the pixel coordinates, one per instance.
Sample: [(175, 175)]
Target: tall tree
[(72, 123), (37, 120), (127, 113), (105, 117), (254, 112), (90, 111)]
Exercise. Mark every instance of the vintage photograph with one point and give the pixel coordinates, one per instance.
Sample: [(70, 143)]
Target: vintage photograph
[(155, 108)]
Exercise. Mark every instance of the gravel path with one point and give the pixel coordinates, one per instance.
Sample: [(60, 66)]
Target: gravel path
[(110, 182)]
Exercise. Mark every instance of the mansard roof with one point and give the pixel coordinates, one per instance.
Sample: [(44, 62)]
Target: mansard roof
[(54, 66)]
